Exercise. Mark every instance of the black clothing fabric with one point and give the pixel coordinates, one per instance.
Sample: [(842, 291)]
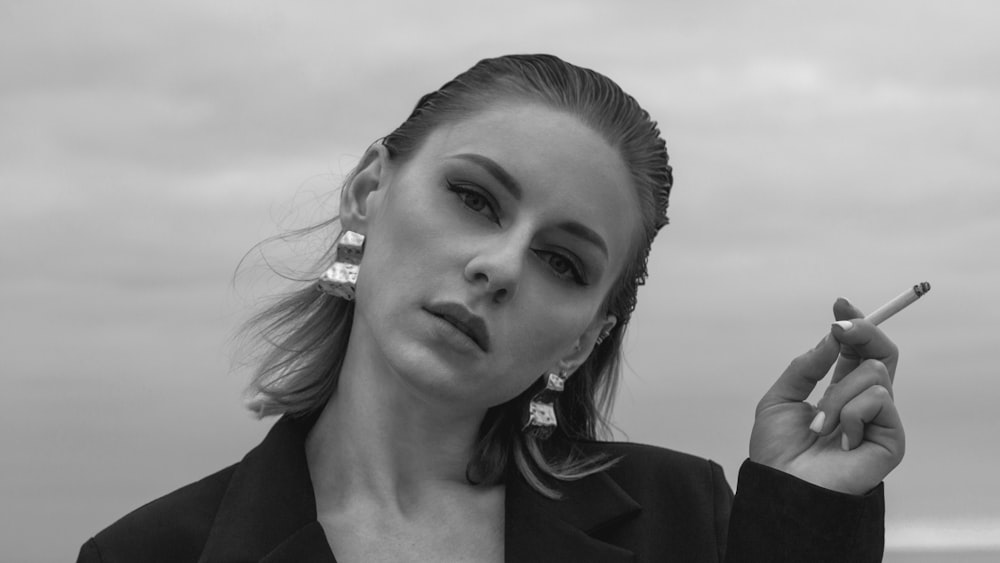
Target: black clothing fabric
[(654, 505)]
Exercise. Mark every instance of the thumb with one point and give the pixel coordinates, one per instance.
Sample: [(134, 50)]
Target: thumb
[(844, 310), (802, 374)]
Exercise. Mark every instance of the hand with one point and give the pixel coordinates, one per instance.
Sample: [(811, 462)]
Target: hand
[(858, 438)]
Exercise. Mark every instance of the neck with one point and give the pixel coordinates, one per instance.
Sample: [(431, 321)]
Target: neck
[(379, 440)]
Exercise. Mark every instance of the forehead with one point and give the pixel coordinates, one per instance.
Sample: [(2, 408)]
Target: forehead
[(566, 169)]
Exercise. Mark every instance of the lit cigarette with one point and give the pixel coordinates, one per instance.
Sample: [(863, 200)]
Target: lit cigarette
[(901, 302)]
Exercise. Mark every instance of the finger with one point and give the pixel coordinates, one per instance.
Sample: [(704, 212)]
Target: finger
[(844, 310), (802, 374), (872, 415), (869, 374), (861, 340)]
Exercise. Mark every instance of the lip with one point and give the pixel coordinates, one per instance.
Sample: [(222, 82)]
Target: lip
[(464, 320)]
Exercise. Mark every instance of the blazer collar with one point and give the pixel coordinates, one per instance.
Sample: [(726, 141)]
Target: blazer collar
[(268, 512)]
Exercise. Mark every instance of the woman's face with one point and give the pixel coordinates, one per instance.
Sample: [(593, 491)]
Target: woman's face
[(490, 251)]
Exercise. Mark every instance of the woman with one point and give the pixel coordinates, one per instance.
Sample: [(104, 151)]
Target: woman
[(444, 390)]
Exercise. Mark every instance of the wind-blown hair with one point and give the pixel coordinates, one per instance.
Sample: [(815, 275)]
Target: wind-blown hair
[(304, 334)]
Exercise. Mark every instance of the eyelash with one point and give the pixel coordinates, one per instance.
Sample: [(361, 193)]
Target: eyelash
[(573, 274), (464, 193)]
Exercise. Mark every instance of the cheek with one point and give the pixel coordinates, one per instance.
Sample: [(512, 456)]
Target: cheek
[(401, 245), (548, 332), (536, 344)]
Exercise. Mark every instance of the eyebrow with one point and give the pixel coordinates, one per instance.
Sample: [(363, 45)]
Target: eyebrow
[(574, 228), (495, 170), (580, 230)]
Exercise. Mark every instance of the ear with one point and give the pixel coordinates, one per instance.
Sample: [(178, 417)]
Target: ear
[(585, 345), (358, 200)]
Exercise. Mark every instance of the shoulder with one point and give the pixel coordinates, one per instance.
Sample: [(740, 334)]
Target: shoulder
[(172, 528), (643, 454), (684, 500), (644, 470), (639, 459)]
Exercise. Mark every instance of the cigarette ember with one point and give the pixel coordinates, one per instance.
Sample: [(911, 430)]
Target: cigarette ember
[(901, 302), (921, 288)]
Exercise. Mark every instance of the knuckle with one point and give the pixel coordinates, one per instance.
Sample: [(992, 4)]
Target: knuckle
[(798, 363), (881, 392), (877, 366)]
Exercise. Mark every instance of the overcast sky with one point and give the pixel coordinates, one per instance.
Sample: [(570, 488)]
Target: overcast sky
[(820, 150)]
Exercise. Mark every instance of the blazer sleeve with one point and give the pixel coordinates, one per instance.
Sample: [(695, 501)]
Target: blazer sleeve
[(722, 496), (778, 517)]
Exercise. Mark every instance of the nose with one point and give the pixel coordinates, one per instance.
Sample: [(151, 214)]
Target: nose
[(496, 268)]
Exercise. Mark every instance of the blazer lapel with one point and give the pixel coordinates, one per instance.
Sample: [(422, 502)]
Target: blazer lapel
[(268, 512), (541, 529)]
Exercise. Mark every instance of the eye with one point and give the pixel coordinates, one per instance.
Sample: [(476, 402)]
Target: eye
[(475, 201), (562, 266)]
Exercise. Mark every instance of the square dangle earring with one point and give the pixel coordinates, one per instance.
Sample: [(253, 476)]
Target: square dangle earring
[(340, 279), (540, 420)]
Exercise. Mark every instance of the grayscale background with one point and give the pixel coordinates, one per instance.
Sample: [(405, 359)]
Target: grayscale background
[(820, 150)]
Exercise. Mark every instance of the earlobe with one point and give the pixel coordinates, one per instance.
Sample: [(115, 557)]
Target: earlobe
[(356, 198)]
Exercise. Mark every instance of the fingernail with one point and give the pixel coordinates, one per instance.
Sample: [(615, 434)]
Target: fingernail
[(844, 325), (845, 444), (817, 424)]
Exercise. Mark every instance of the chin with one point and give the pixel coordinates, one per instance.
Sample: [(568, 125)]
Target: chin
[(432, 376), (453, 384)]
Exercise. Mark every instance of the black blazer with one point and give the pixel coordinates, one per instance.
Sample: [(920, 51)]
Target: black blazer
[(654, 505)]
